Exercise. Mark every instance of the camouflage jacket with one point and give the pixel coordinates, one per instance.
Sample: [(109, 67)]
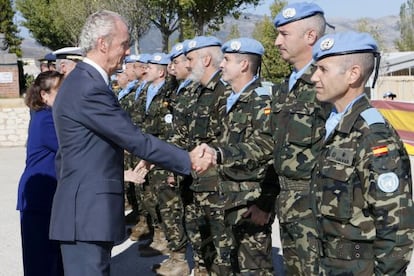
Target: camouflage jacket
[(362, 193), (157, 120), (297, 123), (246, 144), (127, 103), (198, 122)]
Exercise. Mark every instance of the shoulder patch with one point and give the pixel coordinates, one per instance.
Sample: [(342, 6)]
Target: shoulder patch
[(372, 116), (262, 91)]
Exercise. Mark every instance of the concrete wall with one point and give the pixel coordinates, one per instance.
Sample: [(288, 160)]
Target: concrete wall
[(14, 121), (402, 86)]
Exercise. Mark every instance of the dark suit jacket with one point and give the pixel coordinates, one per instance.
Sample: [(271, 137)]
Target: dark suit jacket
[(37, 184), (93, 131)]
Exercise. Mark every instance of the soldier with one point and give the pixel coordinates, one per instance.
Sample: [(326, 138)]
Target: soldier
[(199, 123), (362, 188), (297, 123), (48, 63), (243, 152), (154, 115)]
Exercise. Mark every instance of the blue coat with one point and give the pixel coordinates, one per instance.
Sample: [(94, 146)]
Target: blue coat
[(37, 184), (93, 131)]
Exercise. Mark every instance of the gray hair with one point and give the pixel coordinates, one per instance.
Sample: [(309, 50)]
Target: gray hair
[(215, 53), (97, 25)]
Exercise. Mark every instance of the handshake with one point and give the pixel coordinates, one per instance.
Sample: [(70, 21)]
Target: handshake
[(202, 158)]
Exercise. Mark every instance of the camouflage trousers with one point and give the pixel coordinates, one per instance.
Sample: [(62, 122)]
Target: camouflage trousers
[(251, 244), (298, 232), (172, 216), (351, 258), (150, 197), (204, 222)]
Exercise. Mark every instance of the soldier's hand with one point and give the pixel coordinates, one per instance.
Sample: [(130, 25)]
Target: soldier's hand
[(137, 177), (171, 181), (143, 165), (257, 216)]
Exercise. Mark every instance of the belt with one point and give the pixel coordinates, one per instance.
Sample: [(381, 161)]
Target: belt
[(348, 250), (231, 186)]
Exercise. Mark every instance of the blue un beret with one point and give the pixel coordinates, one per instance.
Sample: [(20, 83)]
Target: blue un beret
[(131, 59), (344, 43), (296, 11), (159, 58), (243, 45), (199, 42), (143, 58), (177, 49)]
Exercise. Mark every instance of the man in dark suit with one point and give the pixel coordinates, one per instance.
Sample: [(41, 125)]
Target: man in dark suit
[(93, 131)]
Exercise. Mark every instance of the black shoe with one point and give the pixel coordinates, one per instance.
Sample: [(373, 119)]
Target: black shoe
[(132, 218), (149, 252)]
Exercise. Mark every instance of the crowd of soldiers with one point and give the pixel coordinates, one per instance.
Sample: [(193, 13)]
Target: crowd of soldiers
[(276, 154)]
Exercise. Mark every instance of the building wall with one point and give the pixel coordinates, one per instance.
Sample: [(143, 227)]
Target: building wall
[(14, 122), (402, 86)]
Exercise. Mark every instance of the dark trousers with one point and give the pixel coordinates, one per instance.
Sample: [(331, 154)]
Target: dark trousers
[(41, 256), (86, 258)]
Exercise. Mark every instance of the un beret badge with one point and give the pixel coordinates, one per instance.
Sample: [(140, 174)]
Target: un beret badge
[(327, 44), (289, 13)]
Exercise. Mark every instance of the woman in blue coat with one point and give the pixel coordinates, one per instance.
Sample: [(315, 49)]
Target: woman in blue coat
[(37, 185)]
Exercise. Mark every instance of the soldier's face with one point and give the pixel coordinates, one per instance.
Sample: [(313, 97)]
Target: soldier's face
[(332, 81), (179, 67), (130, 71), (292, 43), (195, 65), (140, 69), (231, 67), (122, 79)]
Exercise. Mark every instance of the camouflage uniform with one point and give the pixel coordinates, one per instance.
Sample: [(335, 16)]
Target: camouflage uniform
[(153, 122), (297, 123), (198, 123), (366, 227), (246, 143), (127, 103), (169, 197)]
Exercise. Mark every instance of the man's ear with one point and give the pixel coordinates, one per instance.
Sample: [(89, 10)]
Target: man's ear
[(207, 60), (102, 44), (355, 75), (311, 36)]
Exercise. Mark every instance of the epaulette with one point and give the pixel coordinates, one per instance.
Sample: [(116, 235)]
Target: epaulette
[(262, 91), (372, 116)]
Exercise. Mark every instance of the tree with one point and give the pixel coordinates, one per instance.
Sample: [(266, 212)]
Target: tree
[(274, 68), (364, 26), (58, 23), (406, 41), (211, 13), (164, 15), (8, 28), (137, 15)]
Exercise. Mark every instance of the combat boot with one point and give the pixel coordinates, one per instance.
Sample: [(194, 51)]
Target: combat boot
[(140, 230), (159, 245), (175, 265)]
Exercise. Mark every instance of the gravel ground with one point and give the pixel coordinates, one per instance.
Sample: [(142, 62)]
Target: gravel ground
[(125, 261)]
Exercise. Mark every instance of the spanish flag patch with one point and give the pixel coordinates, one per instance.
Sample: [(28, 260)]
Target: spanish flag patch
[(267, 110), (380, 150)]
